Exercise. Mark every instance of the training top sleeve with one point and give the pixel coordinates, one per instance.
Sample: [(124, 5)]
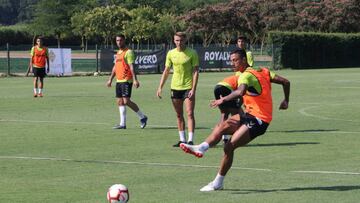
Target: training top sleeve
[(272, 75), (168, 62), (130, 57), (32, 52), (195, 59)]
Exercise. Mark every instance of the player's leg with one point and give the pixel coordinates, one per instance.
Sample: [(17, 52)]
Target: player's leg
[(251, 128), (178, 107), (41, 86), (240, 138), (229, 111), (227, 127), (35, 83), (143, 119), (190, 106), (121, 106)]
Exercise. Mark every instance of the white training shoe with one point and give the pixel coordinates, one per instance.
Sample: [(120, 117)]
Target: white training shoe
[(192, 149), (211, 187)]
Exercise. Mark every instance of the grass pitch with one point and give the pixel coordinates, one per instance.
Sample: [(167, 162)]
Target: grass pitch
[(62, 148)]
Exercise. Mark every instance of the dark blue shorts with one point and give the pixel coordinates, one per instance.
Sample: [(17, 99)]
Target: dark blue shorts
[(256, 126), (123, 89), (39, 72), (180, 94)]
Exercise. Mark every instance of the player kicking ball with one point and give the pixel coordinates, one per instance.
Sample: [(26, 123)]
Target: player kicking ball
[(254, 87)]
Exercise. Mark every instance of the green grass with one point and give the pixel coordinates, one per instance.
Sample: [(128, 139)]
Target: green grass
[(71, 128), (19, 65)]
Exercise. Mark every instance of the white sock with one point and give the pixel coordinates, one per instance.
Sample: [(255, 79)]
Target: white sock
[(219, 179), (182, 136), (40, 90), (191, 136), (140, 114), (122, 110), (204, 146), (35, 90)]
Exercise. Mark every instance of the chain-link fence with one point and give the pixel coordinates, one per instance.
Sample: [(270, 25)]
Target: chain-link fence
[(15, 59)]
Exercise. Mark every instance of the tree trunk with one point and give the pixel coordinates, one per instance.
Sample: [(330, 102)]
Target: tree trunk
[(58, 40)]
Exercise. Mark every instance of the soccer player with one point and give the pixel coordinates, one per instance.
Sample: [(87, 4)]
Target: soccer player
[(255, 88), (38, 60), (125, 79), (222, 89), (241, 43), (185, 64)]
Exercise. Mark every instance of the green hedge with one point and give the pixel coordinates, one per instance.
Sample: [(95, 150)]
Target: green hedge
[(15, 35), (303, 50)]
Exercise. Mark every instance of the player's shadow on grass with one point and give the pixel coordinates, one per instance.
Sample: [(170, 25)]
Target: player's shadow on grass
[(286, 144), (170, 127), (303, 131), (339, 188), (281, 144)]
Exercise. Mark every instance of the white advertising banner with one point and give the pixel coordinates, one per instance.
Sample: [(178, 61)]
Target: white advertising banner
[(60, 61)]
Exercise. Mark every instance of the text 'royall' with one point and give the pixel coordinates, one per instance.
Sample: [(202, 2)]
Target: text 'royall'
[(216, 56)]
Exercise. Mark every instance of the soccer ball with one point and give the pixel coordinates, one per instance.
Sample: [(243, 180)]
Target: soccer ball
[(118, 193), (96, 73)]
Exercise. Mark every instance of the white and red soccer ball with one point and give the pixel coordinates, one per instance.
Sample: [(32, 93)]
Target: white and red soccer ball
[(118, 193)]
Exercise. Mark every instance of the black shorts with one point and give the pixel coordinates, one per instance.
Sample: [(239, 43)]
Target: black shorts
[(256, 126), (179, 94), (223, 91), (123, 89), (39, 72)]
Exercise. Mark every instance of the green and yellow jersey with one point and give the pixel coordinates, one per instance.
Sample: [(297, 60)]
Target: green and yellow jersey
[(183, 64), (254, 87)]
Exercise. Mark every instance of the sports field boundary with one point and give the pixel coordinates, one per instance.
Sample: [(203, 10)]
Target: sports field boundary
[(171, 165)]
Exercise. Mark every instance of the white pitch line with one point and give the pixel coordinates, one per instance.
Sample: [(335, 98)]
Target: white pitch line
[(169, 165), (328, 172), (76, 122), (127, 162), (303, 112), (61, 122)]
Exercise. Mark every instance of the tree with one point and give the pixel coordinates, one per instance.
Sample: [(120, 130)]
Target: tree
[(141, 25), (166, 26), (8, 12), (213, 22), (55, 23), (106, 22)]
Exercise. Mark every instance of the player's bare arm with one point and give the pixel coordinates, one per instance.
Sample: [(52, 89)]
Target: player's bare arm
[(163, 79), (112, 75), (48, 65), (29, 69), (286, 89), (135, 81), (195, 81), (239, 92)]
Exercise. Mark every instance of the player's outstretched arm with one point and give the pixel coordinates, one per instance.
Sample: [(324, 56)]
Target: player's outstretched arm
[(286, 89)]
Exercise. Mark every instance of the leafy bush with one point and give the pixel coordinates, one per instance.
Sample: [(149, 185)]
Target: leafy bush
[(303, 50)]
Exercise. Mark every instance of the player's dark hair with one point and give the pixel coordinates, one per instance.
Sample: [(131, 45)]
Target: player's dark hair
[(121, 36), (242, 38), (36, 38), (240, 52)]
